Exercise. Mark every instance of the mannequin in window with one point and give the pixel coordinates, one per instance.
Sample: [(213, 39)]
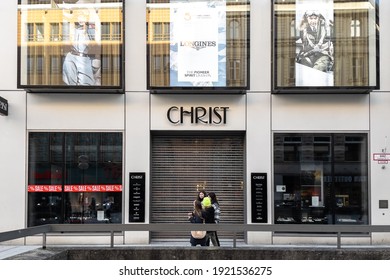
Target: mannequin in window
[(81, 65)]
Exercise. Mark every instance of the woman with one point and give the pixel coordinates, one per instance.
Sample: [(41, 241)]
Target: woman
[(197, 217), (201, 195), (217, 213)]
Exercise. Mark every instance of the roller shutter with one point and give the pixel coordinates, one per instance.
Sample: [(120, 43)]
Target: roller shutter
[(184, 164)]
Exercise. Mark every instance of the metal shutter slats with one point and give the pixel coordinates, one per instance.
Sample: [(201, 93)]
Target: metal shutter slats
[(184, 164)]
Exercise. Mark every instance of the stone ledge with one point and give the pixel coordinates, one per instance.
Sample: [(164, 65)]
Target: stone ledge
[(199, 253)]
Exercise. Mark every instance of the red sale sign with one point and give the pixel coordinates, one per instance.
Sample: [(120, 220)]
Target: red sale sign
[(75, 188)]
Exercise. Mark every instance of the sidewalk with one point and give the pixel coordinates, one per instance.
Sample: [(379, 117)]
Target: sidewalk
[(175, 247), (7, 251)]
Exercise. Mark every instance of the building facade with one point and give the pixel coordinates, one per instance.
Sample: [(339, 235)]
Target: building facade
[(136, 137)]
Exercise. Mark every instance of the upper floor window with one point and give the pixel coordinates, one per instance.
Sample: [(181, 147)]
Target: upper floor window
[(234, 29), (355, 28), (327, 39), (71, 38), (111, 31), (199, 43), (160, 31), (35, 32)]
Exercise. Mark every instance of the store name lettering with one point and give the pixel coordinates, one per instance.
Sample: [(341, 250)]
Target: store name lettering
[(198, 115)]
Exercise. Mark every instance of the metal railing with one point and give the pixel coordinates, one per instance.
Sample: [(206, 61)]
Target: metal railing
[(335, 230)]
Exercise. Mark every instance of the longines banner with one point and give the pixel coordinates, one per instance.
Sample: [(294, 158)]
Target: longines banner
[(198, 43), (315, 59)]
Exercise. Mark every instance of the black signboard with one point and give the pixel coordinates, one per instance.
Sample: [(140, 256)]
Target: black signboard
[(259, 197), (3, 106), (137, 198)]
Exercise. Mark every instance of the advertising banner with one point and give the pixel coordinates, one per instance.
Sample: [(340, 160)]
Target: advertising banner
[(315, 52), (198, 43)]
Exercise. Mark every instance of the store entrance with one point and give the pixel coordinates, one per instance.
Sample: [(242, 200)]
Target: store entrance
[(184, 164)]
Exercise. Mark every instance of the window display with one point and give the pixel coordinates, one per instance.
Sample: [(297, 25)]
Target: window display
[(323, 183), (198, 44), (325, 44), (74, 178), (68, 45)]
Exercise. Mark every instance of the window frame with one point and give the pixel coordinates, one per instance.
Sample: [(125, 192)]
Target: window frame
[(64, 165), (281, 89), (340, 177), (165, 87), (59, 44)]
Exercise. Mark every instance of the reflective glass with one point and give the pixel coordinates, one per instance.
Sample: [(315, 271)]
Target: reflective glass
[(320, 178), (74, 178), (326, 45), (198, 44), (81, 34)]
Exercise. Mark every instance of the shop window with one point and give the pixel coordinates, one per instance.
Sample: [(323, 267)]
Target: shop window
[(326, 39), (74, 178), (206, 43), (354, 149), (321, 179), (292, 148), (79, 34), (322, 148)]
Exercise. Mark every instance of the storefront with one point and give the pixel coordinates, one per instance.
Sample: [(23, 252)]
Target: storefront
[(321, 178), (75, 177), (214, 102)]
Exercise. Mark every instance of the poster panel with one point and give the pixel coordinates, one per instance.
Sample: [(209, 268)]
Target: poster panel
[(314, 48), (259, 197), (198, 43), (137, 197)]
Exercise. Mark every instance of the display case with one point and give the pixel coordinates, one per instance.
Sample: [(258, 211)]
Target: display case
[(303, 206)]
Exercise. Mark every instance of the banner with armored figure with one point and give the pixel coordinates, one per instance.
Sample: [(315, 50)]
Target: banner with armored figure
[(314, 48)]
